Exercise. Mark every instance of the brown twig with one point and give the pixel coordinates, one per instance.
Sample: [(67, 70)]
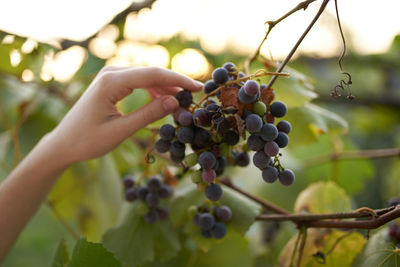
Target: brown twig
[(302, 245)]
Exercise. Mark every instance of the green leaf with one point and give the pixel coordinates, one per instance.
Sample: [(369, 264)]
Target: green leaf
[(339, 248), (61, 259), (135, 241), (87, 254), (310, 121), (322, 197), (378, 249)]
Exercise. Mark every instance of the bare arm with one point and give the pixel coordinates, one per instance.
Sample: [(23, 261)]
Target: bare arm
[(91, 128)]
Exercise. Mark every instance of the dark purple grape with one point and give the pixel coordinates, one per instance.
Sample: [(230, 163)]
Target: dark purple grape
[(162, 145), (163, 213), (278, 109), (206, 233), (213, 192), (255, 143), (207, 160), (128, 181), (393, 202), (269, 132), (218, 231), (260, 160), (177, 148), (130, 194), (231, 137), (177, 158), (246, 113), (270, 174), (210, 86), (142, 192), (212, 107), (165, 191), (223, 213), (284, 126), (220, 76), (222, 125), (185, 134), (201, 117), (185, 118), (242, 159), (220, 166), (286, 177), (152, 199), (151, 216), (206, 221), (208, 175), (154, 183), (253, 123), (229, 66), (271, 149), (394, 231), (244, 98), (202, 138), (251, 88), (167, 132), (177, 113), (184, 98), (282, 139)]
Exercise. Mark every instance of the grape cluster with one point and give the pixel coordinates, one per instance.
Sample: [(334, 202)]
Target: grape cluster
[(214, 128), (211, 223), (150, 194)]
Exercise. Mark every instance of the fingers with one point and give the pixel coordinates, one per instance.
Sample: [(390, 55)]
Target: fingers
[(145, 115)]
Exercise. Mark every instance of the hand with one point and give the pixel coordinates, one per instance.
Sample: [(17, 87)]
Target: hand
[(94, 126)]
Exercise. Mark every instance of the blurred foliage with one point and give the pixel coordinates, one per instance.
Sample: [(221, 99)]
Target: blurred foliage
[(88, 196)]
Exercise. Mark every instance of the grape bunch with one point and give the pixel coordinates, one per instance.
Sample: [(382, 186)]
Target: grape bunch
[(150, 196), (211, 224), (235, 108)]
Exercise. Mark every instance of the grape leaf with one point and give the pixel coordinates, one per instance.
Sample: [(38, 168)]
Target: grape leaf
[(345, 246), (378, 248), (61, 258), (92, 254), (322, 197), (134, 241)]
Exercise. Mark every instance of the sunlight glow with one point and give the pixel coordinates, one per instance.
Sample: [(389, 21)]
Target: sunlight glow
[(15, 57), (191, 62), (27, 75)]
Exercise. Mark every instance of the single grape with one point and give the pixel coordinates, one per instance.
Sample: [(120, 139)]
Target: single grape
[(165, 191), (154, 183), (206, 221), (278, 109), (177, 148), (220, 75), (394, 231), (185, 118), (221, 164), (162, 145), (269, 132), (184, 98), (282, 139), (208, 175), (128, 181), (255, 143), (167, 132), (244, 98), (210, 86), (259, 108), (213, 192), (177, 113), (130, 194), (284, 126), (253, 123), (207, 160), (242, 159), (162, 213), (177, 158), (270, 174), (231, 137), (251, 88), (197, 177), (151, 216), (271, 149), (221, 125), (229, 66), (218, 231), (201, 117), (223, 213), (142, 192), (191, 159), (185, 134), (202, 138), (260, 160), (286, 177), (152, 199)]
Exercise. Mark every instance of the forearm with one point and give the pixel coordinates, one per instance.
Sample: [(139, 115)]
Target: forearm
[(22, 192)]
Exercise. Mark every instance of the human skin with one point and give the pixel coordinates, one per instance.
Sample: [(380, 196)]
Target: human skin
[(92, 128)]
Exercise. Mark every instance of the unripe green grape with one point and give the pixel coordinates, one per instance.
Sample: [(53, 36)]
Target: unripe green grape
[(142, 208), (225, 149), (191, 159), (259, 108), (196, 177)]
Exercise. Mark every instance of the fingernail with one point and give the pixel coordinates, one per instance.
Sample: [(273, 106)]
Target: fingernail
[(198, 84), (170, 104)]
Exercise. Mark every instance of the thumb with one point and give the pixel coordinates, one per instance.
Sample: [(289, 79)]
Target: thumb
[(149, 113)]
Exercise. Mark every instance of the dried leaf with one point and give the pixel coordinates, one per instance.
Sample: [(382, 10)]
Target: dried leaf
[(241, 127), (267, 95), (229, 97)]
